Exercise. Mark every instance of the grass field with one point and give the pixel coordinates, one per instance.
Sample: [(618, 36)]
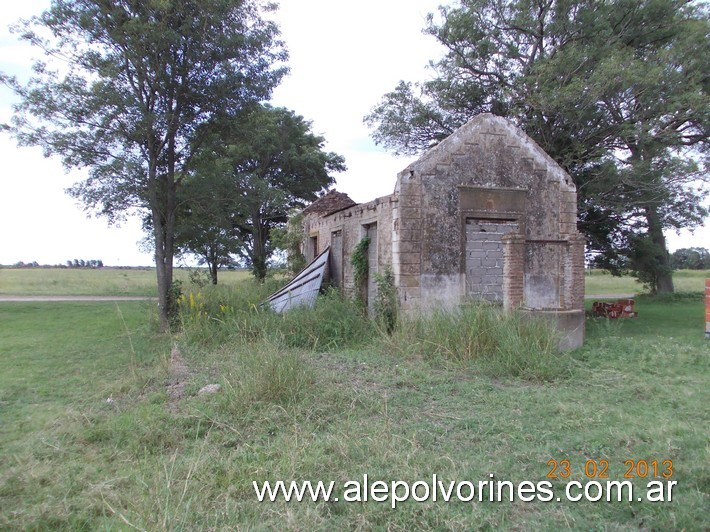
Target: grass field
[(142, 282), (92, 435), (601, 282), (93, 282)]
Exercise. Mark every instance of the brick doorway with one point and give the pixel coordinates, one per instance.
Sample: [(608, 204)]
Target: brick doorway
[(484, 257)]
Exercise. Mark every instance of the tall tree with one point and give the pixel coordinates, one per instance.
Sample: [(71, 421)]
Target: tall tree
[(205, 226), (616, 92), (133, 82), (274, 164), (695, 258)]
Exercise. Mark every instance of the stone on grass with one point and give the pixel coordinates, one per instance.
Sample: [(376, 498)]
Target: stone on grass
[(210, 388)]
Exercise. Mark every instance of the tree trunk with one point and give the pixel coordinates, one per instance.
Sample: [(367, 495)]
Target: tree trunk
[(213, 269), (258, 258), (664, 274), (163, 275), (164, 278), (163, 211)]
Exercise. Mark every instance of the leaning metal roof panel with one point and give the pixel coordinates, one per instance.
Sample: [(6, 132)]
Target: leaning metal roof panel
[(303, 289)]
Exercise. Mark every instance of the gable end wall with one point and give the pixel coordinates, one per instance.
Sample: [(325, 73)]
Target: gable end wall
[(489, 174)]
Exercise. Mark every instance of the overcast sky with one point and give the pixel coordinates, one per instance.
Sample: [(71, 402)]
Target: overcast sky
[(344, 57)]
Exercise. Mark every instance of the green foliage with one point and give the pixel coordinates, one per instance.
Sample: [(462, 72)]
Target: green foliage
[(199, 278), (497, 342), (386, 303), (649, 263), (694, 258), (128, 91), (273, 163), (205, 223), (615, 92), (290, 239), (80, 263), (335, 322), (359, 260), (215, 315), (212, 317), (174, 297)]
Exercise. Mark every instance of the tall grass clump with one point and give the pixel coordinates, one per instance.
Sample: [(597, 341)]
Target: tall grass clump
[(264, 374), (216, 316), (386, 305), (499, 343), (335, 322)]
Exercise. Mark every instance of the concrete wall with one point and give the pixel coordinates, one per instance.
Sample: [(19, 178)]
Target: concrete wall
[(346, 228), (486, 194)]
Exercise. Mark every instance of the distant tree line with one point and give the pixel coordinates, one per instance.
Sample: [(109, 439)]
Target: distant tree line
[(21, 264), (81, 263), (690, 259), (76, 263)]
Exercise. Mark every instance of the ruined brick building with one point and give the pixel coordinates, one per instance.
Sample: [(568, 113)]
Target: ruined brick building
[(486, 214)]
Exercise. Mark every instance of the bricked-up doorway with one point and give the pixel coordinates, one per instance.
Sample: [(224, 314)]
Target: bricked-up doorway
[(484, 257)]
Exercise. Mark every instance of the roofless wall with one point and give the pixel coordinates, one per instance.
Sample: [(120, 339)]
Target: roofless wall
[(485, 215)]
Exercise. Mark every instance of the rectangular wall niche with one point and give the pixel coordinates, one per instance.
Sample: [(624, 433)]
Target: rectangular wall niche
[(371, 233), (312, 247), (542, 275), (336, 258), (484, 257)]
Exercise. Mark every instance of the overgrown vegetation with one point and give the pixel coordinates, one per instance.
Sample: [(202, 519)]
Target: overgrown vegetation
[(359, 260), (289, 239), (91, 438), (214, 317), (386, 306), (498, 343)]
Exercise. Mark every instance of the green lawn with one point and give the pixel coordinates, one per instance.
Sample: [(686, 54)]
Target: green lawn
[(59, 363), (70, 459)]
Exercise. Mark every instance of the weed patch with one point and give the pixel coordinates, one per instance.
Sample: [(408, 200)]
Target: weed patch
[(264, 374), (223, 318), (498, 342)]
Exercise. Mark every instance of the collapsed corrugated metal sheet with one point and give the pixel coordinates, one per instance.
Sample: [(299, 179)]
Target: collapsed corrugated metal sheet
[(303, 289)]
